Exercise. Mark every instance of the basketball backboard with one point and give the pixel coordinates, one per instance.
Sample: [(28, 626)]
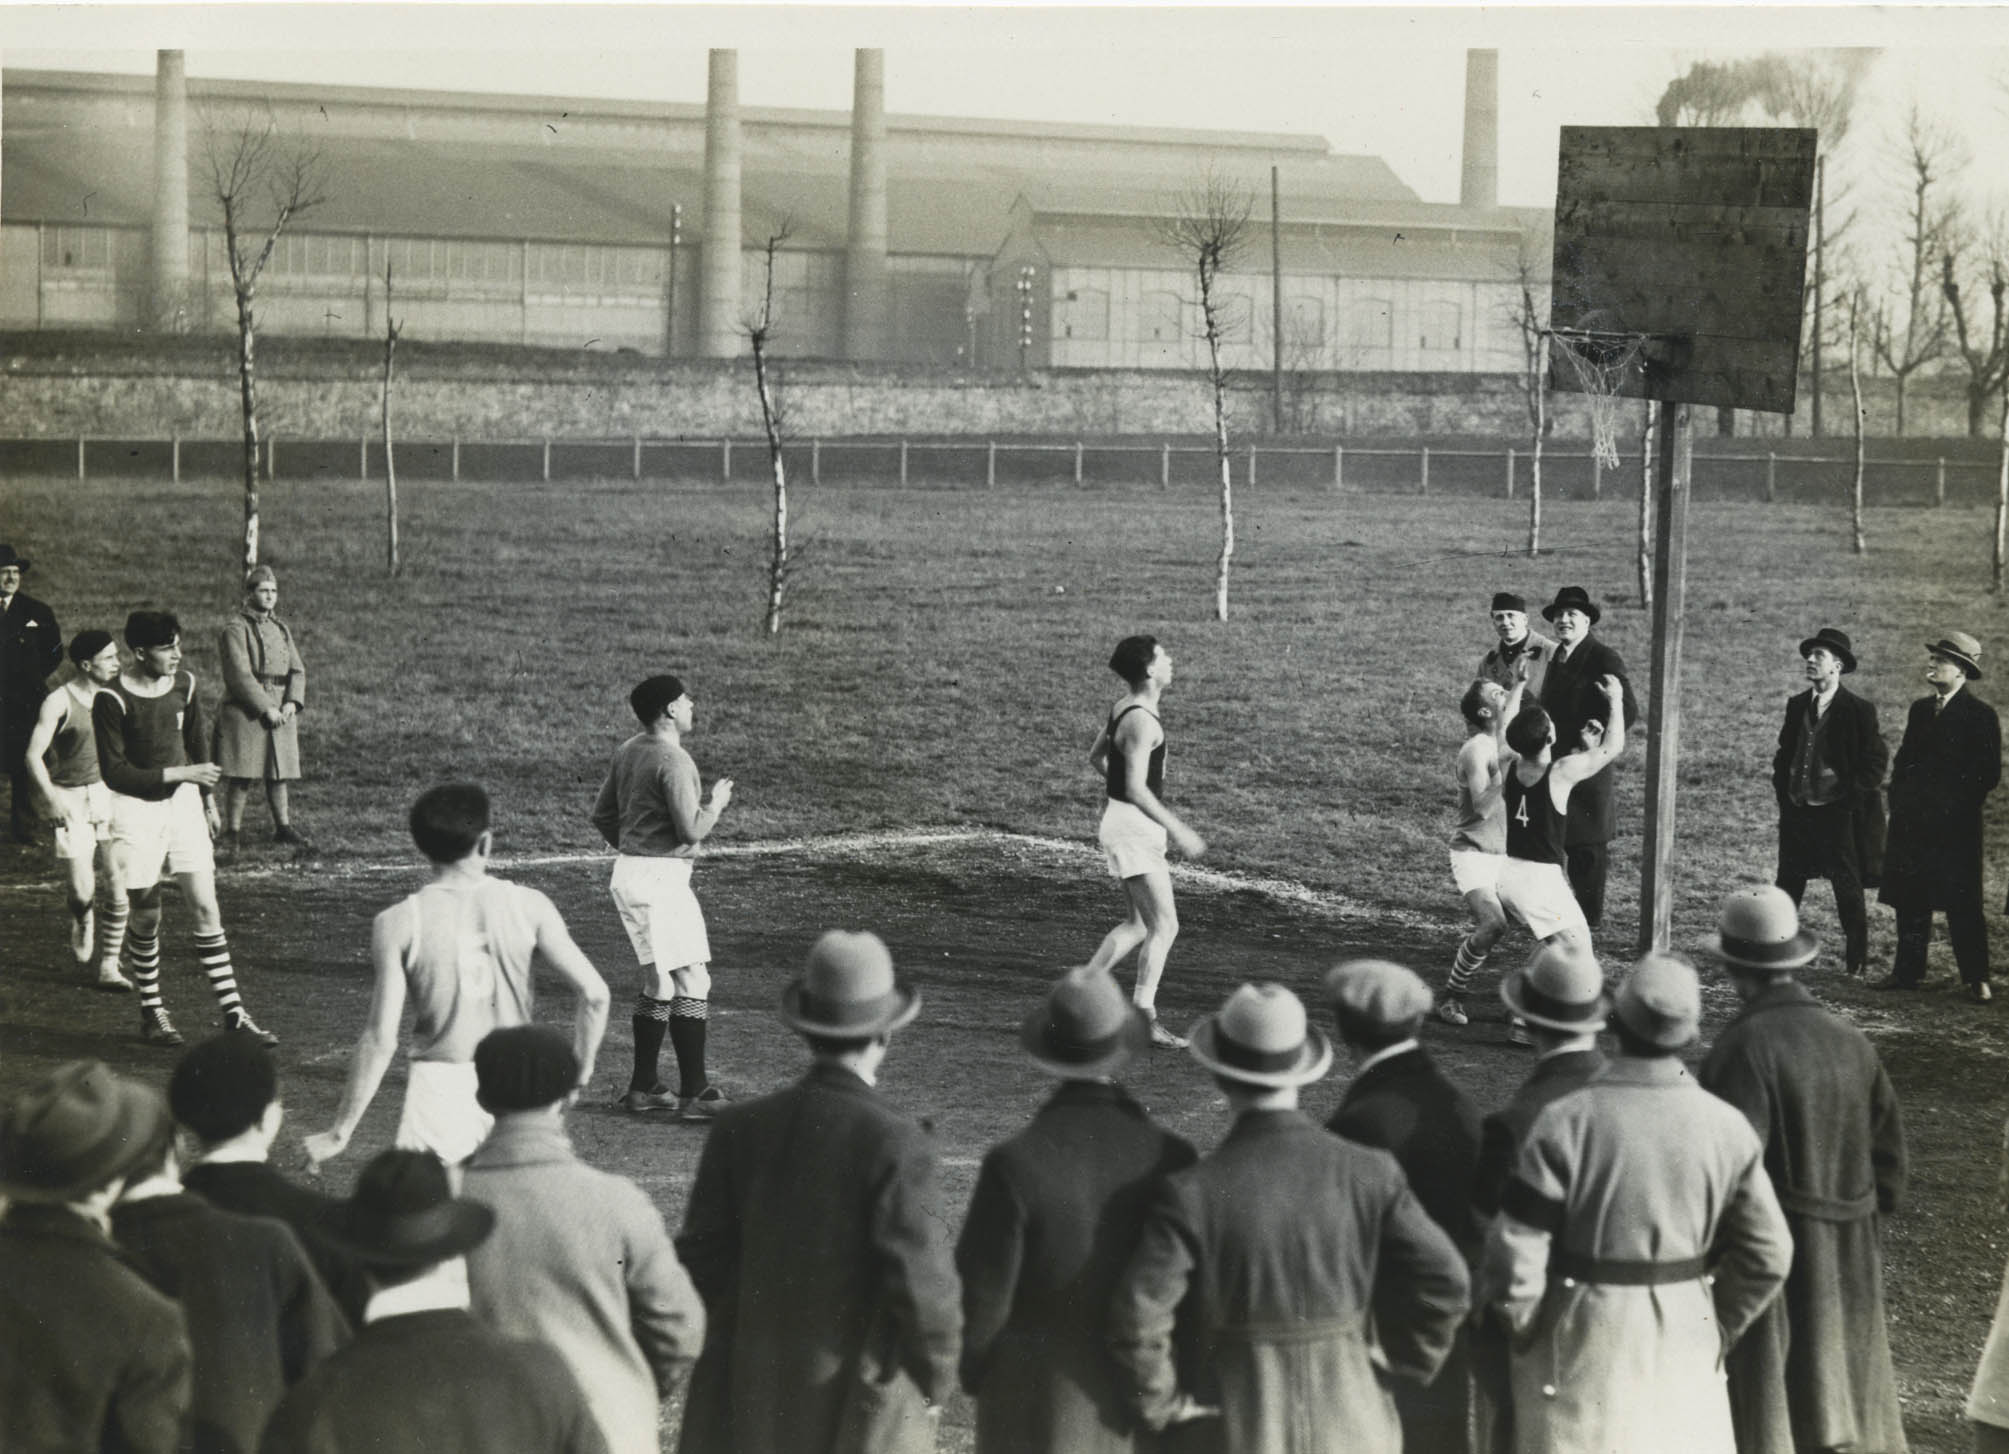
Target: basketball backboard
[(1695, 237)]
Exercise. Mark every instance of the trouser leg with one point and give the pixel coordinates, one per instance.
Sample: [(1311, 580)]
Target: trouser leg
[(1968, 930), (1586, 866), (1914, 937)]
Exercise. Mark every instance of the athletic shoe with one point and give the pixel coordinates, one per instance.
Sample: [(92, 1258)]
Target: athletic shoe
[(1164, 1039), (703, 1106), (239, 1020), (157, 1029), (111, 981), (83, 934), (637, 1102), (1451, 1010)]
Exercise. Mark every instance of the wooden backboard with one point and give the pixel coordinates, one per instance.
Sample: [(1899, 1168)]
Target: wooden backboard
[(1696, 236)]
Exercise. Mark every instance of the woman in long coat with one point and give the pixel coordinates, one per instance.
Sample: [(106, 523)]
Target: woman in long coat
[(264, 691)]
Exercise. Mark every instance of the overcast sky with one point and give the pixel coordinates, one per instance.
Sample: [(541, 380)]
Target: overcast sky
[(1382, 81)]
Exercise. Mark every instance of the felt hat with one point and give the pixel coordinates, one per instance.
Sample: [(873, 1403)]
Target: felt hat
[(221, 1086), (1560, 988), (1572, 598), (1836, 641), (523, 1068), (848, 990), (1661, 1001), (1759, 929), (9, 557), (1084, 1027), (1509, 601), (403, 1213), (1261, 1037), (1961, 649), (1378, 996), (74, 1130)]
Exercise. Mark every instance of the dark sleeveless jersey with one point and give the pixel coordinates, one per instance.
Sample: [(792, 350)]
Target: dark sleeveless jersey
[(140, 736), (1534, 827), (1116, 772)]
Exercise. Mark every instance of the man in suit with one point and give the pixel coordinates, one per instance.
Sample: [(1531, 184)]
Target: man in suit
[(1947, 765), (1522, 655), (1571, 696), (1828, 775), (1814, 1373), (1057, 1209), (31, 647), (1400, 1102), (1283, 1282), (817, 1236)]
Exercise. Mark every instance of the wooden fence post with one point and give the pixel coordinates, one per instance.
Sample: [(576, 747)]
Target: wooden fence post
[(1510, 472), (547, 459), (1164, 466), (271, 459), (815, 461), (638, 456), (1252, 467), (177, 459), (1771, 476), (1596, 476), (456, 457), (991, 465), (1338, 466), (725, 458), (1077, 464), (903, 464), (80, 456), (363, 458), (1425, 476), (1939, 482)]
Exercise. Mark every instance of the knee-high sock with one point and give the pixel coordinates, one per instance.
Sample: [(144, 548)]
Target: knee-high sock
[(112, 919), (143, 952), (688, 1020), (1467, 962), (651, 1021), (214, 952)]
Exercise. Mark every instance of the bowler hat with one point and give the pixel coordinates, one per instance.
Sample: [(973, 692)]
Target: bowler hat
[(847, 990), (1084, 1027), (403, 1213), (1661, 1001), (1560, 988), (8, 557), (1260, 1037), (1836, 641), (1960, 649), (1377, 996), (1509, 601), (1572, 598), (222, 1086), (1759, 929), (524, 1068), (74, 1130)]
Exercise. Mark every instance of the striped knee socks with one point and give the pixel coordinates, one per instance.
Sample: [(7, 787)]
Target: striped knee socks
[(112, 920), (143, 952), (213, 950), (1468, 962)]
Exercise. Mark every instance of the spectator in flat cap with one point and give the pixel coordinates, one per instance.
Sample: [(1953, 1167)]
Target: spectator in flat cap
[(1947, 765), (1522, 656), (1638, 1239), (1285, 1280), (92, 1355), (424, 1375), (1815, 1371), (259, 1316), (816, 1233), (1401, 1102), (579, 1259), (224, 1093), (1057, 1209)]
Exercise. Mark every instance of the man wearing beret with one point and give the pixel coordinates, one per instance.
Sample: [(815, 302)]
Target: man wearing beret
[(817, 1235), (1947, 765), (580, 1259), (92, 1356), (1522, 655), (1572, 697), (31, 647)]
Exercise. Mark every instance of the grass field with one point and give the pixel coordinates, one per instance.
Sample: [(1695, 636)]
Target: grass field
[(942, 669)]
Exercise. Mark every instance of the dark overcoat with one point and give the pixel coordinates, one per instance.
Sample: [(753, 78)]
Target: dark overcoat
[(1853, 746), (1285, 1279), (1571, 696), (817, 1236), (257, 1189), (1814, 1372), (1056, 1212), (31, 647), (1947, 765)]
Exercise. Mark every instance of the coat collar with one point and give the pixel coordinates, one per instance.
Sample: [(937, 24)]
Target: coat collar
[(1406, 1064), (516, 1142), (1663, 1070), (838, 1078), (1780, 994), (54, 1223), (1252, 1124), (1091, 1093)]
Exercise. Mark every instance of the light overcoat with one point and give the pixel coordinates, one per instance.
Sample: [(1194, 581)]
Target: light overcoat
[(262, 671), (1285, 1279), (1948, 763)]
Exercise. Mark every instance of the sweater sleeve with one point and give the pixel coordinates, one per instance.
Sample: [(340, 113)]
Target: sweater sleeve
[(664, 1310), (108, 724)]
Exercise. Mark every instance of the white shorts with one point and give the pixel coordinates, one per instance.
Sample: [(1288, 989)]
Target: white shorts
[(441, 1114), (654, 899), (1132, 844), (148, 836), (1473, 871), (84, 819), (1538, 894)]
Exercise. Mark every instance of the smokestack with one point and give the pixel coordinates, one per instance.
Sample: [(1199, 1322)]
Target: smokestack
[(1480, 184), (718, 293), (168, 300), (866, 295)]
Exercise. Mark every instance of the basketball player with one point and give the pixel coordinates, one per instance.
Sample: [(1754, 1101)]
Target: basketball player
[(1479, 843), (1535, 787)]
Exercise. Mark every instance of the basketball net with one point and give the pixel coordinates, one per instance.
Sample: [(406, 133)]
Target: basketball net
[(1599, 363)]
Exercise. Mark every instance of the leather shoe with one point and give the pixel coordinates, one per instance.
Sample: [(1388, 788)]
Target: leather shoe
[(1892, 982)]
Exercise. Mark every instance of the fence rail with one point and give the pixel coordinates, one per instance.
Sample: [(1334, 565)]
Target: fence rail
[(1374, 468)]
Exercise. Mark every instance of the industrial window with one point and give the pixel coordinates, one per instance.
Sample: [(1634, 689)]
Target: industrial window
[(317, 254), (1369, 323), (1440, 327), (1086, 314), (77, 247), (1161, 316)]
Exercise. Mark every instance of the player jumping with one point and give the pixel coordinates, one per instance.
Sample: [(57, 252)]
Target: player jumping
[(1479, 843), (1535, 787)]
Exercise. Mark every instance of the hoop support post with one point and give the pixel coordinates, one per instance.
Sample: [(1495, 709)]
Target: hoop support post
[(1673, 454)]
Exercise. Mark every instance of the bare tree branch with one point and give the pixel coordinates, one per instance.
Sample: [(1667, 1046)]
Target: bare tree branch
[(759, 328)]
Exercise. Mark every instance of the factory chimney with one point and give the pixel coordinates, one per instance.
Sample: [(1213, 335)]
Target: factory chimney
[(718, 292), (167, 301), (1480, 184), (866, 294)]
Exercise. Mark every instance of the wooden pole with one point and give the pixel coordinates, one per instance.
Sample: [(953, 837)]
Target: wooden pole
[(815, 461), (1164, 466), (1423, 479), (903, 464), (1338, 467), (1077, 464), (547, 461), (80, 457), (638, 456), (456, 458), (1663, 710), (1771, 476), (991, 465), (1939, 482), (1276, 311), (177, 459), (1510, 472)]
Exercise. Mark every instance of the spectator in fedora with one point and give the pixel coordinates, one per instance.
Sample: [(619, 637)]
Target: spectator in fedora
[(1057, 1209), (1558, 996), (1572, 697), (1814, 1372), (580, 1259), (1400, 1102), (1828, 774), (1522, 656), (1638, 1238), (424, 1376), (815, 1232), (1284, 1280), (92, 1356), (1947, 765), (31, 647), (257, 722)]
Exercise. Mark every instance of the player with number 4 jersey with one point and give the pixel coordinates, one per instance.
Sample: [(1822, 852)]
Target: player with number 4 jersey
[(1535, 786)]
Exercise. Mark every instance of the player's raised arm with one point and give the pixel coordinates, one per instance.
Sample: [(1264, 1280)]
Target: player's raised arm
[(1576, 766), (569, 962), (375, 1047)]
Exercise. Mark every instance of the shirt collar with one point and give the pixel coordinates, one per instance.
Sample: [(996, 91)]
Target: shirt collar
[(1387, 1052), (1822, 700), (444, 1288)]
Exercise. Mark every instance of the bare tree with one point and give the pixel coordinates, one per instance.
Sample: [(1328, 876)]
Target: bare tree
[(759, 330), (1856, 392), (262, 185), (1210, 230), (2001, 488), (393, 328), (1649, 443), (1908, 325), (1986, 357)]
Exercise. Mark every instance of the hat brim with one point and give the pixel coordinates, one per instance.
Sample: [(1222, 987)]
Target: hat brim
[(1967, 663), (1035, 1037), (1593, 1022), (896, 1009), (141, 1122), (467, 1226), (1841, 653), (1314, 1058), (1802, 949), (1556, 608)]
